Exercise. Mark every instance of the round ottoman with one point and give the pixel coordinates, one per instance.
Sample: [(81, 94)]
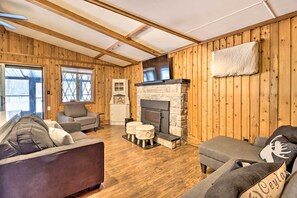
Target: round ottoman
[(131, 129), (145, 132)]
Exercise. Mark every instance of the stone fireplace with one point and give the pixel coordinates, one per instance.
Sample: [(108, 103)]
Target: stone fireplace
[(164, 105)]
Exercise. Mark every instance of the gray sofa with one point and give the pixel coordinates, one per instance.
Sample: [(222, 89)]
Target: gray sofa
[(79, 113), (54, 172), (220, 154)]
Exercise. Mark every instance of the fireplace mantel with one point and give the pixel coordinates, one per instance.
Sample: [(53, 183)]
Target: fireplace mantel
[(164, 82)]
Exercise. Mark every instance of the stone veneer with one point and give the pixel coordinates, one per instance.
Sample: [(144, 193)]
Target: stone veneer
[(177, 94)]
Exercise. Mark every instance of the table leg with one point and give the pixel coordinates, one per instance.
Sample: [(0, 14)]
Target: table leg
[(152, 143), (143, 143)]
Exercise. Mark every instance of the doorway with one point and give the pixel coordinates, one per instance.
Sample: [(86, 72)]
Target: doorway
[(23, 90)]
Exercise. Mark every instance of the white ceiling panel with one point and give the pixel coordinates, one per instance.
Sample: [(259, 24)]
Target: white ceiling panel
[(281, 7), (56, 22), (111, 20), (232, 23), (160, 40), (131, 52), (53, 40), (114, 60), (182, 15)]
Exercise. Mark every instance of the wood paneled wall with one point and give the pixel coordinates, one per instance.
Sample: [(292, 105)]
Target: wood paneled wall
[(242, 106), (22, 50)]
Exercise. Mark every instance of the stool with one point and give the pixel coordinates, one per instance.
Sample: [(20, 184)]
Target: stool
[(131, 129), (144, 133)]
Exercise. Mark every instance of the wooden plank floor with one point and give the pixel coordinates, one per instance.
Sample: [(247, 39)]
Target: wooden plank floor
[(133, 172)]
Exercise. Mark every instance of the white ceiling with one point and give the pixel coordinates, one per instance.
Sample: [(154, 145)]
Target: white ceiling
[(198, 19)]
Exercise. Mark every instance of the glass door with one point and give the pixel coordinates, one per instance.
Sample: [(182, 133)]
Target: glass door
[(24, 90)]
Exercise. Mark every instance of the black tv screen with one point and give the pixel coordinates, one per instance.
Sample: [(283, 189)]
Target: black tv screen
[(157, 69)]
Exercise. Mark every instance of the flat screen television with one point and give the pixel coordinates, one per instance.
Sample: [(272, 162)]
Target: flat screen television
[(157, 69)]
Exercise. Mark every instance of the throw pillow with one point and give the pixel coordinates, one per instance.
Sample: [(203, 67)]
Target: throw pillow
[(270, 186), (53, 124), (60, 137), (5, 130), (241, 163), (278, 150), (231, 185), (30, 134), (287, 131)]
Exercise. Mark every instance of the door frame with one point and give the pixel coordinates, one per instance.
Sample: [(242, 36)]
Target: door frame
[(45, 80)]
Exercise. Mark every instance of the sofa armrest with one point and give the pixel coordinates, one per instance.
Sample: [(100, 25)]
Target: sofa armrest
[(96, 115), (62, 118), (71, 127), (260, 141), (77, 167)]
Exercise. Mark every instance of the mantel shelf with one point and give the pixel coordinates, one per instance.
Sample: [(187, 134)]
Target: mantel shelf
[(164, 82)]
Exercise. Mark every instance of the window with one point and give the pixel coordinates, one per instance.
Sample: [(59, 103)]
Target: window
[(77, 84)]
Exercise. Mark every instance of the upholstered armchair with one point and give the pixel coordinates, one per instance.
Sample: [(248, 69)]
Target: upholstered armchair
[(79, 113)]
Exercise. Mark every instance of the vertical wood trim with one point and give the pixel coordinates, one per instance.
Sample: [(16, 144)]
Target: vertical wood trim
[(265, 81), (255, 93), (245, 99), (284, 116), (294, 72), (223, 101), (237, 97)]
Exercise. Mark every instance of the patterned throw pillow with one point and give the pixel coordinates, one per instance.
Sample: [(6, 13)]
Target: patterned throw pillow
[(270, 186), (280, 149), (250, 180)]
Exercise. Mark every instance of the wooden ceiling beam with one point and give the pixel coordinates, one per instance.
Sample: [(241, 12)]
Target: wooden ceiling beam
[(86, 22), (70, 39), (140, 19), (131, 35)]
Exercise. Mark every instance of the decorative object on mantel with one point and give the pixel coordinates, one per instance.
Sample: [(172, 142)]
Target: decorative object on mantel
[(119, 103), (235, 61)]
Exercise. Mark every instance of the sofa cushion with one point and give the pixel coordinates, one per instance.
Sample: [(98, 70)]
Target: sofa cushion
[(30, 134), (85, 120), (278, 150), (60, 137), (201, 188), (294, 168), (78, 136), (7, 151), (75, 110), (243, 181), (290, 190), (224, 148)]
